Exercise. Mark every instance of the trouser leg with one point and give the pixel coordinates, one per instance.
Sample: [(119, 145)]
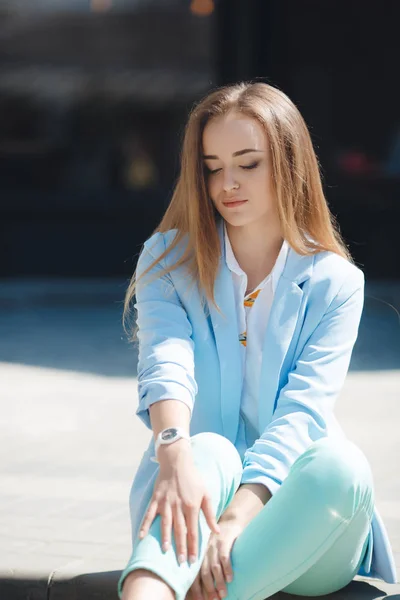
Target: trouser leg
[(310, 537), (220, 466)]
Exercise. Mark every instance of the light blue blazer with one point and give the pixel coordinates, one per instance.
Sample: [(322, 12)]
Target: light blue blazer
[(190, 352)]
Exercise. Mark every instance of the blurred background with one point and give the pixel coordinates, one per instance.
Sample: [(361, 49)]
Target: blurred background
[(94, 96)]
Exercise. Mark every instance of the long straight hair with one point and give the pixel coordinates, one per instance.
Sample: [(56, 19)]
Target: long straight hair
[(306, 221)]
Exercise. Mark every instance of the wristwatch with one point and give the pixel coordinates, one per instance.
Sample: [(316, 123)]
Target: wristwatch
[(169, 436)]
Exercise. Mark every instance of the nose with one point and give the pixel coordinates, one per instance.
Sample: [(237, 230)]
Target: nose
[(229, 182)]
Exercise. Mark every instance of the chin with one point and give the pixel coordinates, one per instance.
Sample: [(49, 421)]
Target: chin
[(237, 220)]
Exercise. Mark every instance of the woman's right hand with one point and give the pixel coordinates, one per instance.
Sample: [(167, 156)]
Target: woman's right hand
[(178, 496)]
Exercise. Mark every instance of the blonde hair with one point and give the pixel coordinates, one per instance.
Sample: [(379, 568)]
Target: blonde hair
[(306, 221)]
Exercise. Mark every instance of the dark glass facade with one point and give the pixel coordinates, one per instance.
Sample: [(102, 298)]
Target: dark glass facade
[(93, 105)]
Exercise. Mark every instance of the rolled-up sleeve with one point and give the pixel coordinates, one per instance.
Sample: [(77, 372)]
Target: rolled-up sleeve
[(166, 352), (306, 402)]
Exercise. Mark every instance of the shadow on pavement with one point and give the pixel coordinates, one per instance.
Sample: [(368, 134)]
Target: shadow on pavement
[(80, 328), (103, 586), (356, 590)]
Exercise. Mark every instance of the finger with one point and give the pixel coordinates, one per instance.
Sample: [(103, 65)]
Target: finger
[(205, 595), (208, 511), (224, 557), (195, 590), (149, 518), (207, 580), (180, 532), (218, 574), (192, 524), (166, 525)]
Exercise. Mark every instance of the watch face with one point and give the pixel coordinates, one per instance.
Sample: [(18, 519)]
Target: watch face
[(168, 434)]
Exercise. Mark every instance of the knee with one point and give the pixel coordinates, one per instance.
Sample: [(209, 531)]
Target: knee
[(145, 583), (215, 443), (339, 472), (220, 450)]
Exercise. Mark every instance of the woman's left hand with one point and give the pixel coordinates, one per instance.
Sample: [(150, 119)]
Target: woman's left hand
[(216, 569)]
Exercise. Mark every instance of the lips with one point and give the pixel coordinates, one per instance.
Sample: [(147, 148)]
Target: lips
[(234, 201)]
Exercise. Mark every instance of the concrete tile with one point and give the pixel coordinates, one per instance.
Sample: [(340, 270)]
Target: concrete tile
[(9, 501), (114, 552), (62, 509), (73, 549), (30, 566), (71, 445), (11, 544), (37, 507), (72, 489)]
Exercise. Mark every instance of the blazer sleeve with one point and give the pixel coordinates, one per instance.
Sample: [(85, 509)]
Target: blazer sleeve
[(166, 351), (306, 402)]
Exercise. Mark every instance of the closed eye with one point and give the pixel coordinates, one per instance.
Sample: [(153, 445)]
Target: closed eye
[(253, 166), (246, 167)]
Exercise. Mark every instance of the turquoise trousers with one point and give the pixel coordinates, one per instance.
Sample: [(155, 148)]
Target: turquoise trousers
[(309, 539)]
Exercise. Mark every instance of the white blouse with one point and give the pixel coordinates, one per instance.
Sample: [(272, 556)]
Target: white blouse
[(252, 312)]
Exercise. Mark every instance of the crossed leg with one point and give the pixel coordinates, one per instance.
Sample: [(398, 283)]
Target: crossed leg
[(309, 539)]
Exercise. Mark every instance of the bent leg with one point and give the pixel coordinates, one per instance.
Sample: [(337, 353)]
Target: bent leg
[(295, 543), (339, 565), (220, 465)]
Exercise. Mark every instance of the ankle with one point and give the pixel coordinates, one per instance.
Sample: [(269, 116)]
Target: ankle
[(142, 584)]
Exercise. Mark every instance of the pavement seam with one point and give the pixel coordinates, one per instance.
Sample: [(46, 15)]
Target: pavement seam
[(51, 577), (50, 583)]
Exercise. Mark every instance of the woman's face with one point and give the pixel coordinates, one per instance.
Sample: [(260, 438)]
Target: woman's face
[(237, 161)]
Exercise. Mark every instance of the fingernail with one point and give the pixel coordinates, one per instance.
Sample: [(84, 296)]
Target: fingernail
[(165, 546), (221, 594), (229, 578), (192, 559), (181, 558)]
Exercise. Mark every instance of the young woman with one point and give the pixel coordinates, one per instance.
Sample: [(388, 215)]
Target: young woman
[(248, 307)]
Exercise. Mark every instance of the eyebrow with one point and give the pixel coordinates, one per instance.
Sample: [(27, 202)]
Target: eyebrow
[(238, 153)]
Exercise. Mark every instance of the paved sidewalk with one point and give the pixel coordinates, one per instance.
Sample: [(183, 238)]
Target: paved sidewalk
[(70, 443)]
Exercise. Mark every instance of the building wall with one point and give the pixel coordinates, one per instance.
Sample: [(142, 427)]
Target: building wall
[(93, 106), (92, 110)]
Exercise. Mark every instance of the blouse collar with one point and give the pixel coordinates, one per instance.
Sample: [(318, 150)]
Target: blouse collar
[(277, 269)]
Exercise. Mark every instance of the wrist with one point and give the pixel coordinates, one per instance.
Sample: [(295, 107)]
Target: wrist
[(233, 521), (247, 502), (231, 515), (169, 453)]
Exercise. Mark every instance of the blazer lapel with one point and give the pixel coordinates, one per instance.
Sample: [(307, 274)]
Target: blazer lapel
[(285, 312), (229, 350)]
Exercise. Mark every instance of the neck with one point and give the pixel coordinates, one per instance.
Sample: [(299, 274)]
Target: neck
[(256, 247)]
